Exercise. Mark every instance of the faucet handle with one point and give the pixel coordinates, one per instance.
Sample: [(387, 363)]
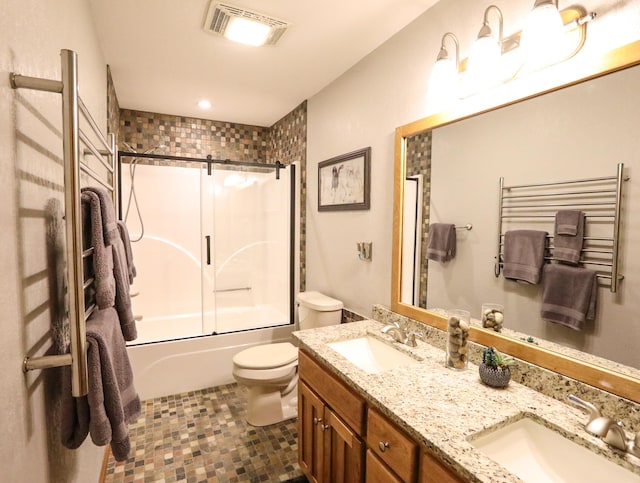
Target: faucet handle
[(594, 413)]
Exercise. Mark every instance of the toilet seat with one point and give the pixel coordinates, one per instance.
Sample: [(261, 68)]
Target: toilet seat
[(268, 363), (267, 356)]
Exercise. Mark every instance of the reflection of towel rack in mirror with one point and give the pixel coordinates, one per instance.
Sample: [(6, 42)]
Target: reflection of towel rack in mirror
[(599, 198), (72, 107), (467, 227), (238, 289)]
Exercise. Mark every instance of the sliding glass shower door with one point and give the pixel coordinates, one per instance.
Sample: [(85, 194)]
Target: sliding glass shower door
[(214, 251), (246, 221)]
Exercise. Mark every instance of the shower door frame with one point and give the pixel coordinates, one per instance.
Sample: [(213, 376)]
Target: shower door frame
[(209, 161)]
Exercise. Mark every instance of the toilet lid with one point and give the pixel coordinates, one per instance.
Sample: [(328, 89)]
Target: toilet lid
[(266, 356)]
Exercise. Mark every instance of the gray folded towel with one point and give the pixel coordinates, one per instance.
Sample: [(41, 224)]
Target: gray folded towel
[(569, 235), (568, 295), (112, 402), (126, 241), (523, 255), (123, 297), (109, 219), (441, 246), (105, 285)]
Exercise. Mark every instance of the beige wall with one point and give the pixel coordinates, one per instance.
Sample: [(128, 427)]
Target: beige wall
[(32, 32), (364, 106)]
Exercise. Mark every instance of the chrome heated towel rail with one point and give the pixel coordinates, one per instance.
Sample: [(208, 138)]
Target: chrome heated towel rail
[(72, 107)]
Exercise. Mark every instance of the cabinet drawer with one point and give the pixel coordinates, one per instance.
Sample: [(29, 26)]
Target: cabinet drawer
[(334, 392), (377, 472), (392, 446)]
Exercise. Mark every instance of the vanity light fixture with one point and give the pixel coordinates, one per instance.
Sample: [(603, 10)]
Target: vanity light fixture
[(549, 36), (443, 80), (483, 66)]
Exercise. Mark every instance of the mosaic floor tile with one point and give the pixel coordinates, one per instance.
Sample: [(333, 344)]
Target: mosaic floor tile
[(202, 436)]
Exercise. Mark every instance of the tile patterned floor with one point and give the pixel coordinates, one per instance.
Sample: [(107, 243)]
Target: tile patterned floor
[(202, 436)]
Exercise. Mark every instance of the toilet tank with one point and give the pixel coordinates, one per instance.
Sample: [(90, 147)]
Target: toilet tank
[(318, 310)]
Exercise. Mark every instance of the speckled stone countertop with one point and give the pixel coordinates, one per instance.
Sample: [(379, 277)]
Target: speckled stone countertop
[(444, 409)]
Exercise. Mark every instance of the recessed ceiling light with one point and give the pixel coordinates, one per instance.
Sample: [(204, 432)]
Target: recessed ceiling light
[(204, 104)]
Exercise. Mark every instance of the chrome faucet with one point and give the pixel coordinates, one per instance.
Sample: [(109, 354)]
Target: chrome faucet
[(610, 431), (400, 334)]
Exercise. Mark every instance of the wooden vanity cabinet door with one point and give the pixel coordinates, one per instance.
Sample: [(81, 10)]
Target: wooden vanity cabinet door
[(343, 451), (377, 472), (310, 434), (432, 471), (392, 446)]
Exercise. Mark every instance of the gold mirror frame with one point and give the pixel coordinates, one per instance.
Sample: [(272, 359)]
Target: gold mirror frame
[(603, 378)]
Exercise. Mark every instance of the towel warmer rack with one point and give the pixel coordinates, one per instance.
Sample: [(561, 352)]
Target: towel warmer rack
[(72, 135), (599, 198)]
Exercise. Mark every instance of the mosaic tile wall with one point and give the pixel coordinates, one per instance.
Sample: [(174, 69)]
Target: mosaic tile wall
[(113, 107), (285, 141), (419, 162)]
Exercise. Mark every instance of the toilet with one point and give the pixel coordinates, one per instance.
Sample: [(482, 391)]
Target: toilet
[(270, 371)]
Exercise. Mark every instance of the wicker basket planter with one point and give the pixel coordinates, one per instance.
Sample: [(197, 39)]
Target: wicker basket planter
[(494, 377)]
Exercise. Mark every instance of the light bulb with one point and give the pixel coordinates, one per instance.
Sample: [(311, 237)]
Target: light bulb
[(442, 87), (541, 36), (483, 66)]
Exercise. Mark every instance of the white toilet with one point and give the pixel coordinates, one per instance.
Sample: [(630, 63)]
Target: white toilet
[(270, 371)]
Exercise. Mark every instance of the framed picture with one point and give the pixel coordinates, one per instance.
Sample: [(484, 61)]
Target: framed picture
[(344, 182)]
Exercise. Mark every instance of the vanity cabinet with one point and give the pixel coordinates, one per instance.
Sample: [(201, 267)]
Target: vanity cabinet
[(330, 421)]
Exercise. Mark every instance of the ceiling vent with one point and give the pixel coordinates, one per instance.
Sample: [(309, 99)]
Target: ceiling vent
[(220, 17)]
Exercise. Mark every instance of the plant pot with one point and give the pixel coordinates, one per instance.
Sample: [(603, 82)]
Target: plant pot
[(493, 376)]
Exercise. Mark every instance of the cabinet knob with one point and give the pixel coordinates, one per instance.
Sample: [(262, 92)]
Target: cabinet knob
[(324, 427), (317, 420), (383, 446)]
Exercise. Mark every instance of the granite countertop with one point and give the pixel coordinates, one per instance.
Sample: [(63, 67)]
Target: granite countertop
[(443, 408)]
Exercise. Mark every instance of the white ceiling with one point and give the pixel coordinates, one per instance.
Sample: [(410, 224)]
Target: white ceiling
[(163, 61)]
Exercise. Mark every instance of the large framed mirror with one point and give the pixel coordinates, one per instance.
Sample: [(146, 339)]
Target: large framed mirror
[(448, 168)]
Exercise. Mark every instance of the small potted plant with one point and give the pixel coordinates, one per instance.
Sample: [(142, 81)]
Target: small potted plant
[(494, 368)]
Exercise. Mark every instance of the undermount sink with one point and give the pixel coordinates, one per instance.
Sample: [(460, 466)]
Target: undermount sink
[(371, 355), (538, 454)]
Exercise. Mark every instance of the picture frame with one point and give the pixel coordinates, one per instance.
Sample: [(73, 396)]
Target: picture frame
[(344, 182)]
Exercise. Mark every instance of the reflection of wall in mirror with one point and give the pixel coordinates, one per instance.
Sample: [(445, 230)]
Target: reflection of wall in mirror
[(578, 132), (418, 155)]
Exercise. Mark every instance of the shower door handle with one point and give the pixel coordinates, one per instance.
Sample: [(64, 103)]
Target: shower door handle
[(208, 238)]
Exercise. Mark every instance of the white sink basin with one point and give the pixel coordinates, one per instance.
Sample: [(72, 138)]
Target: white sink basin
[(538, 454), (371, 355)]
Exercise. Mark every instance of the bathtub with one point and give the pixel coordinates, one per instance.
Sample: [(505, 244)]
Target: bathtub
[(173, 367)]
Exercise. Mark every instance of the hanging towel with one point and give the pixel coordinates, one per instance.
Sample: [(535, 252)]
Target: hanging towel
[(109, 225), (112, 402), (568, 295), (524, 255), (441, 246), (126, 241), (105, 285), (569, 235), (123, 297)]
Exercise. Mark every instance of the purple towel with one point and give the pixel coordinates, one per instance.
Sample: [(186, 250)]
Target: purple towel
[(109, 226), (112, 402), (441, 246), (126, 241), (523, 254), (569, 235), (123, 297), (568, 295), (104, 283)]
